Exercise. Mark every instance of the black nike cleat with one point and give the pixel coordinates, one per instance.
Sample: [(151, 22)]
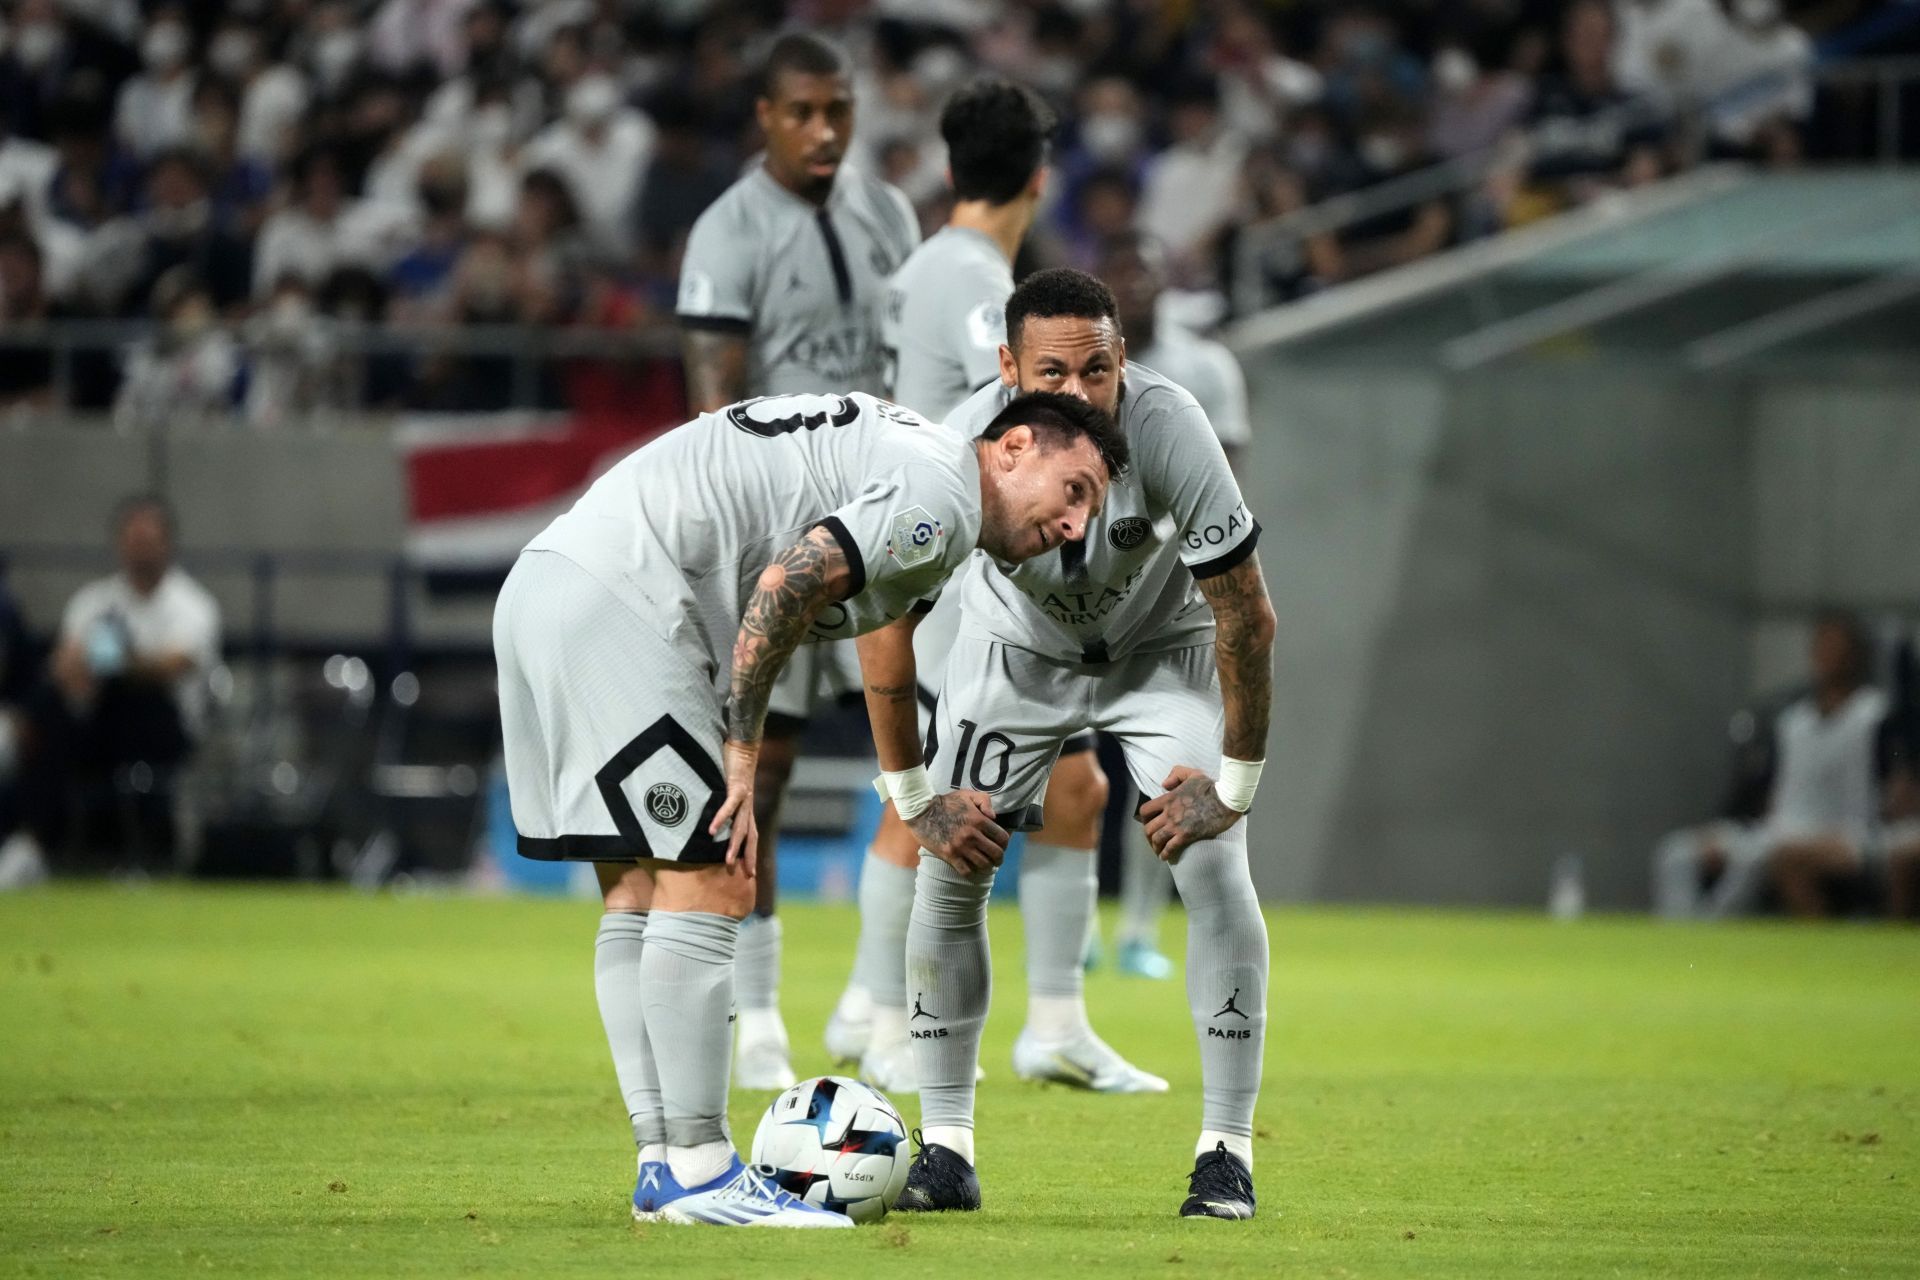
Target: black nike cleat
[(939, 1181), (1219, 1186)]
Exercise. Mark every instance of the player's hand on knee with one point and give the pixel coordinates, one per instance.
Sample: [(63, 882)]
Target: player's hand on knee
[(1187, 812), (742, 762), (959, 829)]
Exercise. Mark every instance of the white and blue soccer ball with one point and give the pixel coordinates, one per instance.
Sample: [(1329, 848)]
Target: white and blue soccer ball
[(836, 1143)]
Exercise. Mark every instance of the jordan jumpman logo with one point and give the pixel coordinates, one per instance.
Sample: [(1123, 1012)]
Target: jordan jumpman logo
[(1231, 1008), (918, 1012)]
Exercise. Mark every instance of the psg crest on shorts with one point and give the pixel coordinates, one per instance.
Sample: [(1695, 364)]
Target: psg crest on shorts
[(1128, 532), (666, 804)]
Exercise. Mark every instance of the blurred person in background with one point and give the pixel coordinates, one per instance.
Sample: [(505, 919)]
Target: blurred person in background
[(186, 366), (1132, 267), (1823, 807), (1192, 189), (36, 64), (155, 108), (273, 95), (682, 179), (1392, 144), (1587, 138), (125, 689), (26, 367), (180, 228), (20, 862), (781, 290), (311, 235), (601, 147), (239, 184), (1260, 85)]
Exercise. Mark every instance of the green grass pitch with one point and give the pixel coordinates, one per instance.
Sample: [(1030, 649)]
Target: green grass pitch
[(309, 1083)]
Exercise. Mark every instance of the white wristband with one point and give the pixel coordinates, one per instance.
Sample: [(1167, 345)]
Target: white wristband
[(909, 789), (1239, 779)]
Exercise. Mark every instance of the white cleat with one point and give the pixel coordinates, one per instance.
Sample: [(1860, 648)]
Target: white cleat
[(889, 1068), (850, 1027), (743, 1197), (760, 1059), (1086, 1062)]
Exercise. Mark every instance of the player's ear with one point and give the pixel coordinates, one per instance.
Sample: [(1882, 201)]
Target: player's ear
[(1015, 445), (1009, 367), (1037, 184), (763, 112)]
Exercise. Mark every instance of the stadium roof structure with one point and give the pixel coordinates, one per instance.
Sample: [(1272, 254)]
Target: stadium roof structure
[(1725, 269)]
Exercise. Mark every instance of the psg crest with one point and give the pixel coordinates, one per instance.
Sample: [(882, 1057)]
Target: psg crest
[(1128, 532), (666, 804)]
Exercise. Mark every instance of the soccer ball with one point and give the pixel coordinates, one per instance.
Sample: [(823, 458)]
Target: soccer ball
[(836, 1143)]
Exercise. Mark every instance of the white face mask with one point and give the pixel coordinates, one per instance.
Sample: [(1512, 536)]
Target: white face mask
[(1454, 70), (1110, 136), (490, 128), (232, 53), (165, 47), (1382, 151), (335, 54), (37, 43)]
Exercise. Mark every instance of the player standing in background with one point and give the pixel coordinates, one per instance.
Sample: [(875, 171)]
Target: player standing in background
[(943, 330), (1132, 266), (1156, 629), (780, 291), (639, 637)]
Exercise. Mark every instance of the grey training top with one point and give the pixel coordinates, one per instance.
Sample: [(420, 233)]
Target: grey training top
[(945, 320), (1124, 589), (803, 283), (680, 529)]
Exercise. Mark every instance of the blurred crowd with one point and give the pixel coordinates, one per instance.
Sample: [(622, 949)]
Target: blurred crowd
[(261, 176)]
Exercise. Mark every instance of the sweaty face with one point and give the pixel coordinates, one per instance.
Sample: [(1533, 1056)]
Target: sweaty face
[(1048, 492), (1069, 354), (808, 120)]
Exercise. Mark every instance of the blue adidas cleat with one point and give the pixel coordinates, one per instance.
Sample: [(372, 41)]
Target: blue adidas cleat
[(1143, 960), (655, 1187), (743, 1196)]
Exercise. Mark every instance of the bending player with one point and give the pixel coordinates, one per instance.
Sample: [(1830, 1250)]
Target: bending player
[(943, 328), (780, 291), (638, 641), (1155, 629)]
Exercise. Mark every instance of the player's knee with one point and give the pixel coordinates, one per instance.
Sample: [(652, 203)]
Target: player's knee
[(623, 887), (1214, 873)]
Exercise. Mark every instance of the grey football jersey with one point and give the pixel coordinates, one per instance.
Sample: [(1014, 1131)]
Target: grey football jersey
[(681, 528), (945, 320), (1124, 589), (803, 283)]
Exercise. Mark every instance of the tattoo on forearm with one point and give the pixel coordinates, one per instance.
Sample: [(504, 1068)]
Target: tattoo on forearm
[(894, 693), (716, 365), (790, 594), (1243, 648)]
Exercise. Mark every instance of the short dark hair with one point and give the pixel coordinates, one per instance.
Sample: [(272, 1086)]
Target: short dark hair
[(1058, 291), (1058, 419), (1859, 637), (136, 503), (805, 53), (996, 133)]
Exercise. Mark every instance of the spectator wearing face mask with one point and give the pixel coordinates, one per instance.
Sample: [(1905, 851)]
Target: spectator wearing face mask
[(311, 236), (332, 50), (180, 230), (1585, 137), (187, 366), (239, 184), (1192, 189), (155, 108), (273, 96), (1260, 86), (601, 148), (35, 64), (1478, 100)]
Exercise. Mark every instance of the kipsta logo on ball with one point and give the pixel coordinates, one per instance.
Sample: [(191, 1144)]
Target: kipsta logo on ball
[(667, 803), (1128, 533)]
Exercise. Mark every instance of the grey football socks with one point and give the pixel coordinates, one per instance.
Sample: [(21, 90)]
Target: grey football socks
[(1145, 887), (756, 963), (886, 902), (686, 985), (949, 985), (1058, 889), (617, 949), (1226, 978)]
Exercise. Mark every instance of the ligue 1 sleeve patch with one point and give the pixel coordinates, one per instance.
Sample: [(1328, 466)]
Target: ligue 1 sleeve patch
[(916, 537)]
